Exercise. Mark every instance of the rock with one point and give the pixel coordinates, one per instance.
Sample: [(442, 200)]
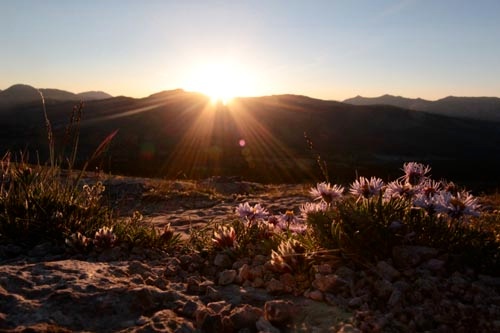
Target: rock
[(328, 283), (411, 256), (207, 321), (227, 277), (288, 282), (348, 328), (387, 271), (223, 261), (41, 250), (258, 283), (316, 295), (172, 268), (323, 269), (490, 280), (219, 307), (355, 302), (245, 273), (263, 325), (395, 298), (112, 254), (434, 265), (244, 316), (189, 309), (259, 260), (280, 312), (213, 294), (275, 287), (383, 288), (193, 285), (136, 267), (345, 273)]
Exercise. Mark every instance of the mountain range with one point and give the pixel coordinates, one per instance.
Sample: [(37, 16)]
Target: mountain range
[(19, 94), (484, 108), (183, 134)]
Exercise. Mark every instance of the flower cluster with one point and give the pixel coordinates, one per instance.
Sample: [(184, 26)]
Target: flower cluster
[(366, 188), (251, 213), (415, 173), (326, 192), (93, 194), (104, 238), (77, 242), (415, 186), (289, 256), (225, 238)]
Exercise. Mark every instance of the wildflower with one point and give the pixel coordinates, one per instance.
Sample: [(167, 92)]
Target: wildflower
[(364, 188), (225, 237), (137, 217), (297, 228), (415, 173), (457, 206), (430, 188), (104, 238), (289, 222), (310, 207), (398, 189), (427, 202), (288, 217), (167, 233), (266, 229), (251, 213), (450, 187), (326, 192), (93, 193), (289, 255), (77, 242)]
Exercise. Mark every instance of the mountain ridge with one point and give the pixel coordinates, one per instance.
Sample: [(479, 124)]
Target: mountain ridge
[(483, 108), (19, 94), (175, 133)]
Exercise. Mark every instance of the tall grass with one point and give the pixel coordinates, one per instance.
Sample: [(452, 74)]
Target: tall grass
[(53, 203)]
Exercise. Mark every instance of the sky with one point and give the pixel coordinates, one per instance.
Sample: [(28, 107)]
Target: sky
[(333, 49)]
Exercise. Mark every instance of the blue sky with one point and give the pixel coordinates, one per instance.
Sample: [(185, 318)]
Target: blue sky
[(326, 49)]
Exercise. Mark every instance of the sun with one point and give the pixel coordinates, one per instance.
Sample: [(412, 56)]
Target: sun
[(221, 81)]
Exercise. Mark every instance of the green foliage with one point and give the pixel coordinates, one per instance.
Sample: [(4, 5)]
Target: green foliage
[(136, 233), (475, 244), (369, 229), (39, 204), (360, 228)]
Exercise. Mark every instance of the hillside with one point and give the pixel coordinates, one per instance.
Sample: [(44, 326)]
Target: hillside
[(482, 108), (22, 94), (181, 134)]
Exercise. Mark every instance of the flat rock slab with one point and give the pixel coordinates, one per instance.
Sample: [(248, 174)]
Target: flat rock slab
[(127, 296)]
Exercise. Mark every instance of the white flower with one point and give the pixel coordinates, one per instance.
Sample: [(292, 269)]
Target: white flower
[(430, 188), (415, 173), (225, 237), (312, 207), (457, 206), (398, 189), (288, 217), (366, 188), (429, 203), (105, 238), (289, 222), (251, 213), (326, 192)]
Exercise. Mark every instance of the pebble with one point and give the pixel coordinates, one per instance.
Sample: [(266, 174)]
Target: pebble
[(227, 277)]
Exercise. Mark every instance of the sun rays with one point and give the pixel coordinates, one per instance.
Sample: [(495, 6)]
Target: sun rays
[(230, 140)]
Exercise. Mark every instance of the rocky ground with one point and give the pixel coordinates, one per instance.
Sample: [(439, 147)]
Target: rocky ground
[(418, 289)]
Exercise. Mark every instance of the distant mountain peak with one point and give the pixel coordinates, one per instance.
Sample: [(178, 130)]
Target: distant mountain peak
[(22, 93), (485, 108)]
